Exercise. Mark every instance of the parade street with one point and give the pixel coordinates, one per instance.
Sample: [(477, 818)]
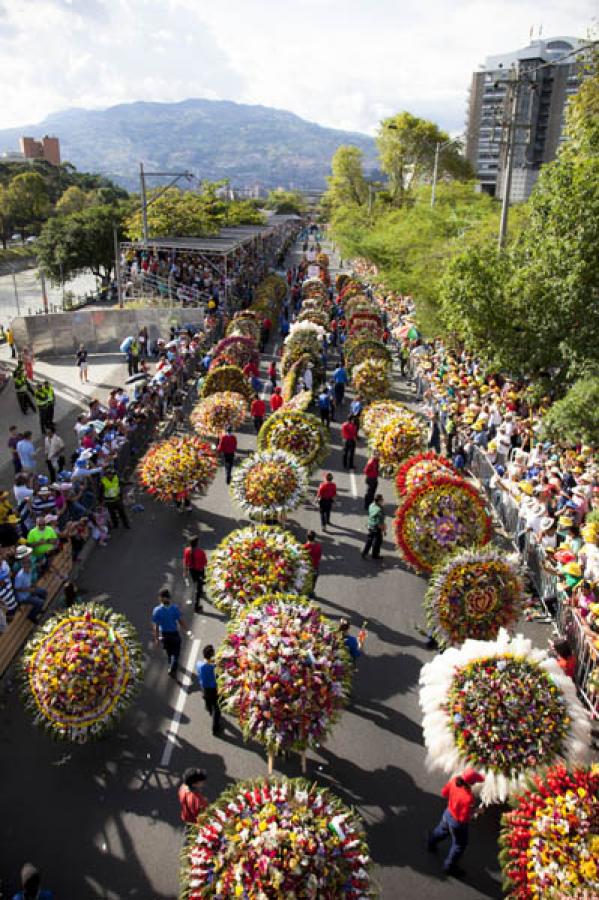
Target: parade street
[(102, 819)]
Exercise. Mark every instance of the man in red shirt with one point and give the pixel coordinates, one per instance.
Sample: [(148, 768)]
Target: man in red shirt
[(272, 373), (371, 471), (191, 799), (227, 446), (326, 493), (349, 433), (461, 804), (276, 400), (194, 563), (315, 551), (258, 411), (251, 369)]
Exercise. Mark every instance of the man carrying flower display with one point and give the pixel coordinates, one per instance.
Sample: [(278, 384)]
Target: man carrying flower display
[(227, 445), (461, 804), (276, 400), (371, 472), (376, 528), (167, 620), (257, 412), (326, 493)]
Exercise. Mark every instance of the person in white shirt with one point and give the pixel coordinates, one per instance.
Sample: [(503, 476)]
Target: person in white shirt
[(53, 448)]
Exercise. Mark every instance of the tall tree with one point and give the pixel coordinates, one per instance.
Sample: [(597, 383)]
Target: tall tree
[(29, 201), (347, 184), (81, 241), (74, 200), (286, 202), (407, 151)]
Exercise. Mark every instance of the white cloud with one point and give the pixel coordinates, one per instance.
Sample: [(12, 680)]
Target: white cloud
[(344, 63)]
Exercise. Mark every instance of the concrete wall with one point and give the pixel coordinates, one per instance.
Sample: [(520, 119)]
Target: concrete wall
[(101, 330)]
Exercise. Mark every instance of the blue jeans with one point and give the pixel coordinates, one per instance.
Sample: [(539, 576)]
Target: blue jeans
[(35, 599), (458, 831)]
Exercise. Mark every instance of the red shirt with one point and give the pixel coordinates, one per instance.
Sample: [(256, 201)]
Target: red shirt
[(272, 369), (567, 664), (258, 408), (460, 801), (371, 469), (349, 432), (227, 444), (251, 369), (194, 559), (315, 551), (191, 804), (327, 490), (267, 324), (276, 402)]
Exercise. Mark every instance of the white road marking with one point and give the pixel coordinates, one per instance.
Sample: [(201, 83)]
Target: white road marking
[(354, 486), (176, 720)]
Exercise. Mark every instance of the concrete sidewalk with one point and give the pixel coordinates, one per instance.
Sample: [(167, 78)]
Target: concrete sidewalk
[(106, 371)]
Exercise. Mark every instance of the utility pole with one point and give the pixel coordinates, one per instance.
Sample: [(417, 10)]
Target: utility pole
[(514, 85), (44, 292), (14, 283), (435, 172), (117, 267), (144, 199)]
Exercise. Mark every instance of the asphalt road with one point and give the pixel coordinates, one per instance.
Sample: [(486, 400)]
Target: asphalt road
[(101, 820)]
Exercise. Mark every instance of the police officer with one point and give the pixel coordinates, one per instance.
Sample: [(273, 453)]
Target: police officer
[(23, 389), (111, 493), (41, 401), (51, 401)]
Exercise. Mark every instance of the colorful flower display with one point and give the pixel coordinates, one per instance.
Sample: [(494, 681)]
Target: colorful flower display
[(369, 329), (80, 671), (226, 378), (254, 561), (299, 433), (313, 287), (236, 351), (472, 595), (284, 671), (421, 468), (503, 707), (376, 414), (397, 438), (277, 838), (361, 348), (299, 402), (550, 838), (371, 379), (269, 484), (219, 411), (316, 315), (437, 519), (175, 468), (246, 323)]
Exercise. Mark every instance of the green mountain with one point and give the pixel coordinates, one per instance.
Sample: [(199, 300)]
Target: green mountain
[(212, 138)]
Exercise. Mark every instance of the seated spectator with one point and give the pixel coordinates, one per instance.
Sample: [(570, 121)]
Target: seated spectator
[(42, 538), (25, 579)]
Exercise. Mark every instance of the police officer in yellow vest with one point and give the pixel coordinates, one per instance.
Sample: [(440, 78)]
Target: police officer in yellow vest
[(111, 493), (41, 401), (23, 389), (51, 401)]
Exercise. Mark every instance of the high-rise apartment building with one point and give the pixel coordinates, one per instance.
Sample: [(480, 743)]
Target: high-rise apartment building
[(545, 83), (48, 148)]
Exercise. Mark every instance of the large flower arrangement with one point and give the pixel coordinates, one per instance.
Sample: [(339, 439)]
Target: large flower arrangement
[(219, 411), (80, 671), (296, 352), (313, 287), (317, 316), (439, 518), (299, 402), (236, 351), (284, 671), (247, 323), (299, 433), (293, 375), (472, 595), (277, 838), (270, 484), (371, 379), (254, 561), (226, 378), (376, 414), (550, 839), (421, 468), (360, 329), (503, 707), (174, 468), (361, 308), (360, 348), (307, 335), (396, 438)]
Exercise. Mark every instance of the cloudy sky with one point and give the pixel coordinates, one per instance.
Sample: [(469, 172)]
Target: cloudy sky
[(342, 63)]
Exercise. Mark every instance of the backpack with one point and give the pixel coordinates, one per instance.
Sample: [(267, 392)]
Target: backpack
[(324, 402)]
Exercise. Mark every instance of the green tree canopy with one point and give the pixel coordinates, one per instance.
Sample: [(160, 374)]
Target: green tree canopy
[(575, 418), (28, 201), (80, 241), (74, 200), (347, 184), (286, 202), (407, 151)]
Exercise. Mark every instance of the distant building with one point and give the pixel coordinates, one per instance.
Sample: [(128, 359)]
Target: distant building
[(539, 118), (48, 148)]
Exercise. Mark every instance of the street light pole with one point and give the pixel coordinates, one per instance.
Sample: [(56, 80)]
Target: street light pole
[(144, 204), (14, 282), (117, 267), (509, 158)]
